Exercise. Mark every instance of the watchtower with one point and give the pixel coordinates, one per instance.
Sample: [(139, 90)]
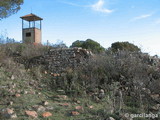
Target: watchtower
[(31, 29)]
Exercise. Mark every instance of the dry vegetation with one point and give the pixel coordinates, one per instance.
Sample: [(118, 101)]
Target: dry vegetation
[(110, 85)]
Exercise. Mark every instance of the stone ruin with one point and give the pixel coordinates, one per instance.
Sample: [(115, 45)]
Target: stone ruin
[(61, 59)]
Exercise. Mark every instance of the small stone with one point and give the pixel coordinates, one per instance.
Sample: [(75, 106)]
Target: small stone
[(41, 109), (12, 86), (79, 108), (156, 107), (45, 72), (155, 96), (25, 92), (56, 74), (64, 104), (101, 94), (101, 91), (31, 113), (64, 97), (11, 91), (11, 103), (32, 92), (17, 95), (45, 103), (91, 107), (49, 108), (78, 101), (18, 91), (146, 90), (31, 83), (13, 116), (61, 91), (110, 118), (35, 106), (46, 114), (74, 113), (10, 111), (12, 77)]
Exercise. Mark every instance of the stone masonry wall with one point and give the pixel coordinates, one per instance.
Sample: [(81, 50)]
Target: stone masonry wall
[(58, 60)]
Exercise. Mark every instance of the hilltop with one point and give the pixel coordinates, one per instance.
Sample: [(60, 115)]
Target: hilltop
[(102, 86)]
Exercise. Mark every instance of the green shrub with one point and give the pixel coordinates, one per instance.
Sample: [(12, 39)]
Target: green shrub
[(124, 46), (89, 44)]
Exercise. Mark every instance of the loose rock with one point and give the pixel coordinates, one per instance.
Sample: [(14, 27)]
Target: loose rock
[(46, 114), (64, 97), (74, 113), (8, 113), (31, 114), (17, 95), (64, 104), (91, 107), (79, 108), (110, 118), (12, 77), (45, 103), (49, 108), (41, 109)]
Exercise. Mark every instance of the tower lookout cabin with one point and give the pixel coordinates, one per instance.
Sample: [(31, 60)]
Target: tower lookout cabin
[(31, 29)]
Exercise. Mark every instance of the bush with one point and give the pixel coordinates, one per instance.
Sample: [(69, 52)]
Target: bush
[(124, 46), (89, 44), (114, 71)]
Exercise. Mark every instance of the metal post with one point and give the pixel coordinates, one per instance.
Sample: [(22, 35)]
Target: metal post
[(40, 25), (22, 31), (41, 31), (34, 24), (29, 24), (22, 23)]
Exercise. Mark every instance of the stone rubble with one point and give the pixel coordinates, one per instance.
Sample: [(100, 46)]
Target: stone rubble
[(8, 113), (58, 60)]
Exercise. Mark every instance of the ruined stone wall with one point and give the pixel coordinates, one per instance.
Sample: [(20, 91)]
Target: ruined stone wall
[(59, 60)]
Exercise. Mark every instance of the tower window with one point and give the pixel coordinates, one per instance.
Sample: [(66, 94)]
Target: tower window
[(28, 34)]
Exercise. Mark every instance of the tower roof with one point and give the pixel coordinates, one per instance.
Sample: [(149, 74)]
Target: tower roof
[(31, 17)]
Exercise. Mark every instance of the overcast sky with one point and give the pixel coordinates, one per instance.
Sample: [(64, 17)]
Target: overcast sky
[(105, 21)]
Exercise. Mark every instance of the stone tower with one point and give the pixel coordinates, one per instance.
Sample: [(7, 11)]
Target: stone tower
[(31, 29)]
